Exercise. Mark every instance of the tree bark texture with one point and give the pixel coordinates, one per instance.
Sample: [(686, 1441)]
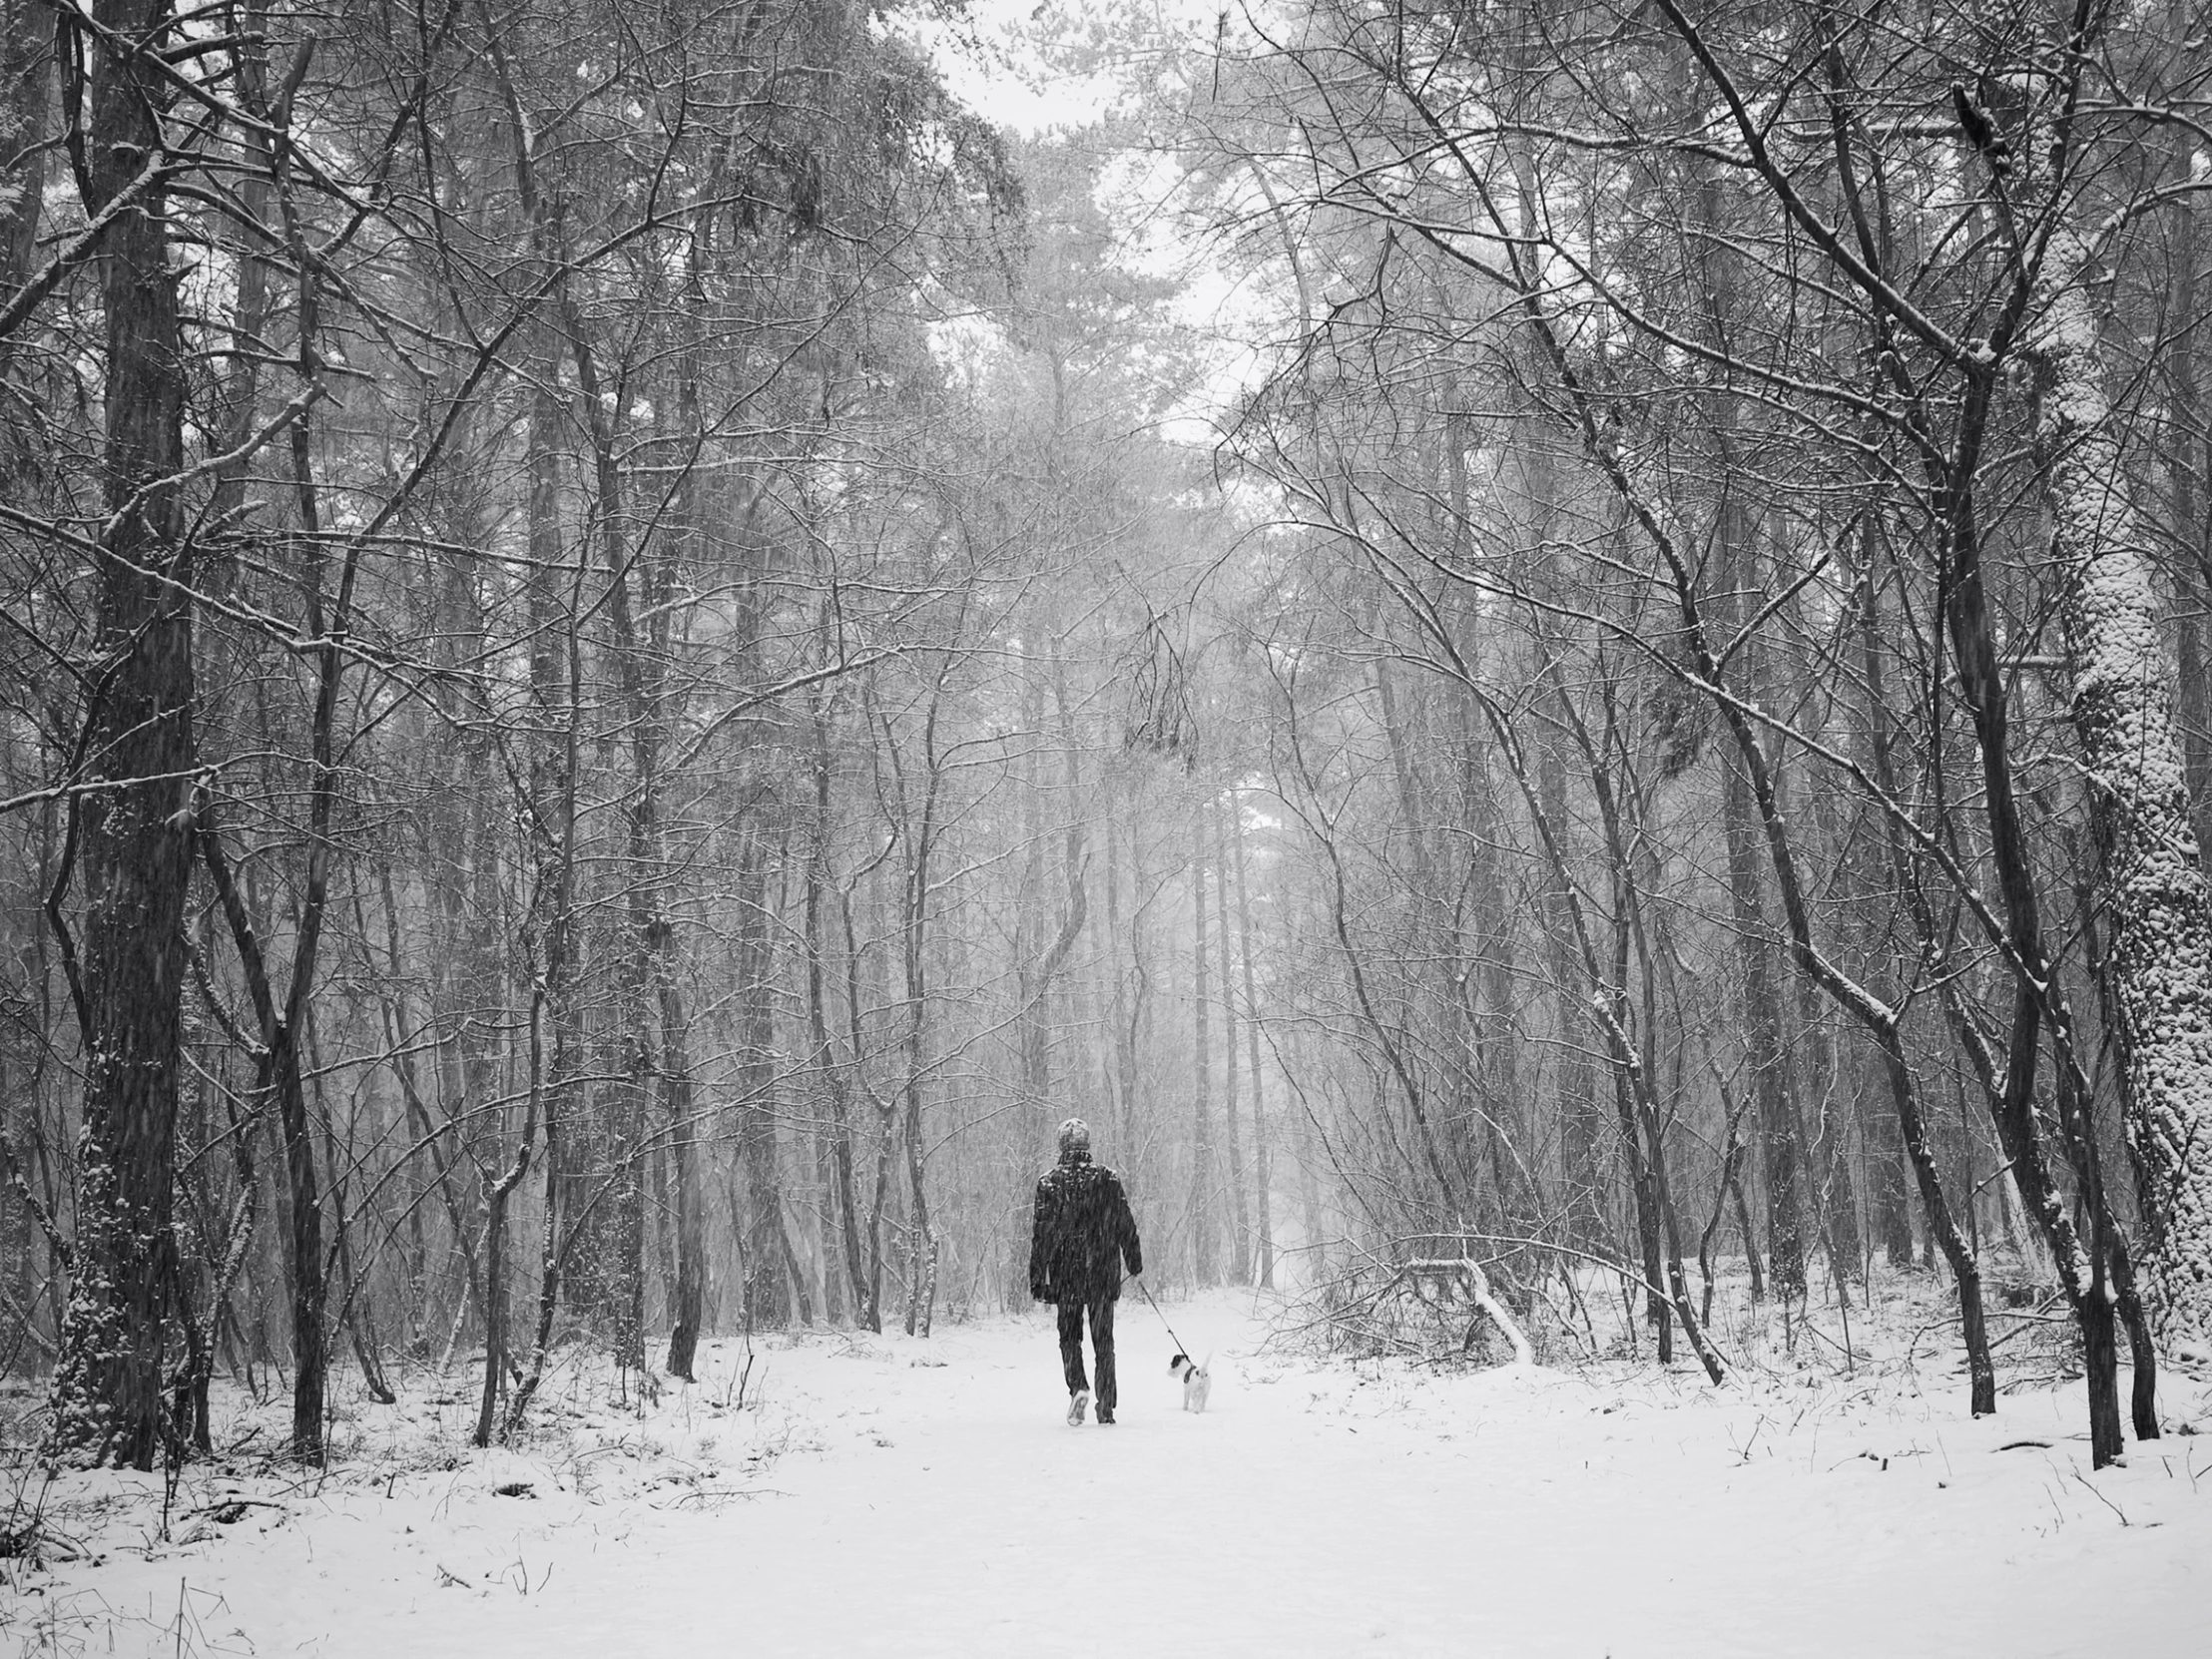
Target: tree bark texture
[(1205, 1248), (133, 828), (2150, 875)]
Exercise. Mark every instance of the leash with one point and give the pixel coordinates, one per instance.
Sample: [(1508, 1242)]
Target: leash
[(1180, 1346)]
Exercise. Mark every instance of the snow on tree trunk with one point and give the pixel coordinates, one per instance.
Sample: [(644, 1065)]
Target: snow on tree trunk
[(2151, 879), (133, 844)]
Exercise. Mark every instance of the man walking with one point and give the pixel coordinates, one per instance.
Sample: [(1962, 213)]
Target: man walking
[(1083, 1232)]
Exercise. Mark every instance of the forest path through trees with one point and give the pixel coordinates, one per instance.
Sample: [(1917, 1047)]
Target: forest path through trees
[(926, 1497)]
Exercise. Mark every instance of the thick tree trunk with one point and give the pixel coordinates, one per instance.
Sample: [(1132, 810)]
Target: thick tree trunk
[(613, 1253), (134, 840), (2150, 877)]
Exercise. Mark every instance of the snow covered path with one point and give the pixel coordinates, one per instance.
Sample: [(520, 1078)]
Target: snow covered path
[(928, 1498)]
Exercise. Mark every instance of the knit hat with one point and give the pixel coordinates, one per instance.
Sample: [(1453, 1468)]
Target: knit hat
[(1073, 1134)]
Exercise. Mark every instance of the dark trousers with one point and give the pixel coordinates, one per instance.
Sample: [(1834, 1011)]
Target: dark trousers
[(1102, 1340)]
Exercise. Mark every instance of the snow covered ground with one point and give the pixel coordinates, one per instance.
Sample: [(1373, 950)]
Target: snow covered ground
[(899, 1497)]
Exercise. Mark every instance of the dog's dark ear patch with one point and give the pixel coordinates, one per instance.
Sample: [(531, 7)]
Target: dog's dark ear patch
[(1178, 1360)]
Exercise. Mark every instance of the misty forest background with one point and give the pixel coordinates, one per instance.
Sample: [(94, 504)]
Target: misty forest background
[(638, 646)]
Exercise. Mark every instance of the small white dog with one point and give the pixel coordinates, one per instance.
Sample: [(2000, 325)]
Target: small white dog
[(1197, 1382)]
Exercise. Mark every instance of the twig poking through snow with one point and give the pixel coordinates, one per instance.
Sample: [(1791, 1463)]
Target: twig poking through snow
[(2101, 1499)]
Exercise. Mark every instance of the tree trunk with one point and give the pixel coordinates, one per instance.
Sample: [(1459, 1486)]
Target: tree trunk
[(614, 1251), (1574, 1086), (278, 1076), (2150, 876), (132, 835), (26, 93), (1263, 1178), (1943, 1229), (1240, 1219), (1821, 1087), (921, 1285), (2189, 465), (556, 679), (1780, 1155), (836, 1088), (767, 1284), (690, 1291), (1042, 956), (1204, 1260)]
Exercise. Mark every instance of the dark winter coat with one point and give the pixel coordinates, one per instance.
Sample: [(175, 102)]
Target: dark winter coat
[(1083, 1234)]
